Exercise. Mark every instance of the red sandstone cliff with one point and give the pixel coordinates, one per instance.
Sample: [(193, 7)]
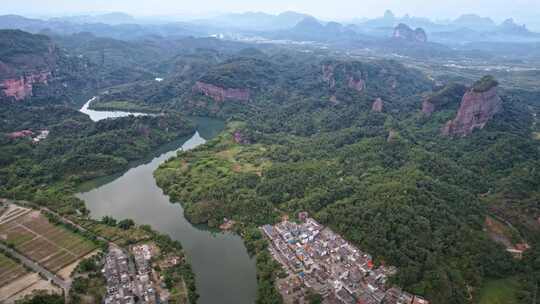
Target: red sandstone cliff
[(31, 60), (377, 105), (220, 94), (21, 87), (356, 84), (353, 82), (427, 107), (476, 109)]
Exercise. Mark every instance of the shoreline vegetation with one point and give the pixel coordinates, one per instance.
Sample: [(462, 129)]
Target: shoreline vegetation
[(357, 141), (124, 234), (77, 151)]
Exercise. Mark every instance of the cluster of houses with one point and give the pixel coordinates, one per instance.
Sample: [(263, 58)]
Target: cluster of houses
[(321, 261), (144, 284), (128, 282)]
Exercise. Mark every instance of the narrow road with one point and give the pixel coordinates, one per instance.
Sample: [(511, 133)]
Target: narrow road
[(37, 268)]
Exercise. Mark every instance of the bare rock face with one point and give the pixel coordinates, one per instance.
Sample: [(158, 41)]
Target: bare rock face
[(392, 136), (353, 80), (21, 88), (377, 105), (427, 107), (328, 75), (31, 60), (220, 94), (356, 84), (403, 31), (240, 138), (476, 109)]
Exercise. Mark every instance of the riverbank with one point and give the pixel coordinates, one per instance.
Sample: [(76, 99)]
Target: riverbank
[(227, 161), (169, 262), (220, 261)]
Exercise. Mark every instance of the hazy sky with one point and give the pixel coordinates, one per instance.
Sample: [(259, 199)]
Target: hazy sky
[(522, 10)]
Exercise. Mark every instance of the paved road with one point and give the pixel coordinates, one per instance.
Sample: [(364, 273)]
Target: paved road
[(64, 284)]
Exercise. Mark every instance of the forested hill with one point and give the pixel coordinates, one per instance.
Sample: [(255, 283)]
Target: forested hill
[(34, 69), (348, 142), (75, 149)]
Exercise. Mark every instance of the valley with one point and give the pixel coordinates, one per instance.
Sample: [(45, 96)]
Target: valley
[(390, 160)]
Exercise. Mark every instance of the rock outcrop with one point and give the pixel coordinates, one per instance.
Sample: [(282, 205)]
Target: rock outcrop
[(377, 105), (328, 75), (403, 31), (427, 107), (220, 94), (393, 135), (21, 87), (31, 60), (356, 84), (477, 107), (240, 138), (353, 81)]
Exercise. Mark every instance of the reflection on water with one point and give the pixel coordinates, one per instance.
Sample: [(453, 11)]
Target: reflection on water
[(99, 115), (224, 271)]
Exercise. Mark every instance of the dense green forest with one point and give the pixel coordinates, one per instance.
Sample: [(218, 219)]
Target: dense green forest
[(76, 150), (387, 181), (309, 138)]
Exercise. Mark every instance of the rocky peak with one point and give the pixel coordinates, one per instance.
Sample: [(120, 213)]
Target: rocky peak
[(404, 32), (509, 26), (477, 107), (389, 15)]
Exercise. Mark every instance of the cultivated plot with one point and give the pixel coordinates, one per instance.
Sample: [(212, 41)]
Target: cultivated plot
[(10, 270), (53, 247)]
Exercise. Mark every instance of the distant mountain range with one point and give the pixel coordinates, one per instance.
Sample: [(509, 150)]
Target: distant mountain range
[(289, 25)]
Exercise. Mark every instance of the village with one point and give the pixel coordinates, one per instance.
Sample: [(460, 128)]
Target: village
[(131, 278), (318, 260)]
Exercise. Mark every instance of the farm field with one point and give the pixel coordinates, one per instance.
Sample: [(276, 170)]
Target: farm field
[(51, 246), (10, 270)]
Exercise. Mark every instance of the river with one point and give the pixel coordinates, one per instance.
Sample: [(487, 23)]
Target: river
[(224, 271)]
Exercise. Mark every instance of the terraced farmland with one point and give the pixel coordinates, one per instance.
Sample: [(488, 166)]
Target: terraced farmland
[(51, 246), (10, 270)]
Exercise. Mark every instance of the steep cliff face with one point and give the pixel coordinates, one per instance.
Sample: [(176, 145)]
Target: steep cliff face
[(352, 79), (328, 75), (356, 84), (427, 107), (403, 31), (21, 88), (25, 60), (220, 94), (476, 109)]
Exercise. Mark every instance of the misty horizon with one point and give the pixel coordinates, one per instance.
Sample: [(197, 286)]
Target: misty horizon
[(522, 11)]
